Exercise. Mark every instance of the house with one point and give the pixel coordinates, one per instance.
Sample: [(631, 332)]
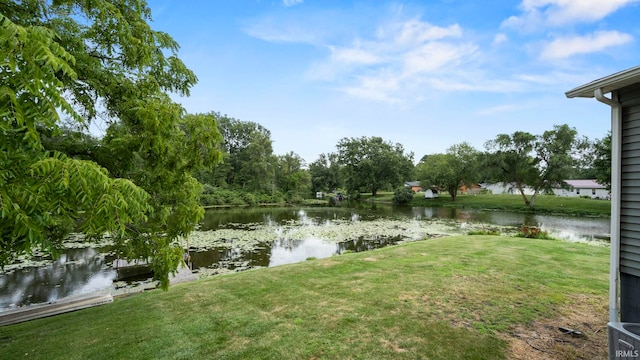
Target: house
[(578, 188), (581, 188), (414, 185), (473, 189), (501, 188), (624, 271)]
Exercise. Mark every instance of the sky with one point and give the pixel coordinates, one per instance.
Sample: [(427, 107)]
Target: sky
[(425, 74)]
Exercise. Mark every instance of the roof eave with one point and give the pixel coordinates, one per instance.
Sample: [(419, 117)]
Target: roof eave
[(607, 84)]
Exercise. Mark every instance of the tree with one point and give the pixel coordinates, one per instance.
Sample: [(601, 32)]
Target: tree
[(539, 162), (457, 167), (82, 59), (510, 160), (250, 152), (602, 160), (371, 164), (291, 177), (325, 173)]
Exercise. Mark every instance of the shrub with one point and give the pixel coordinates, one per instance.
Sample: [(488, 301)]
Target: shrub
[(402, 195), (533, 232), (218, 196), (208, 189), (249, 198), (484, 231)]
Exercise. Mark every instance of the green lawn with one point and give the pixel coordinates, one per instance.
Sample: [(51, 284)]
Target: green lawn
[(446, 298), (545, 204)]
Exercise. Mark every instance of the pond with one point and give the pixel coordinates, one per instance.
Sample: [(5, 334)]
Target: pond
[(239, 239)]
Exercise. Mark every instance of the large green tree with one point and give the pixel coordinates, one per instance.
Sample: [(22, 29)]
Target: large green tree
[(449, 171), (601, 160), (80, 60), (292, 179), (540, 162), (250, 154), (325, 173), (371, 164)]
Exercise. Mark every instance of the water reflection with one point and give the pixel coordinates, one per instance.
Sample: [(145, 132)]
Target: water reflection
[(77, 271), (285, 251)]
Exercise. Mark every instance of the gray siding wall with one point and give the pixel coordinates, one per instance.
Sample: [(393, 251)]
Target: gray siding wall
[(629, 97)]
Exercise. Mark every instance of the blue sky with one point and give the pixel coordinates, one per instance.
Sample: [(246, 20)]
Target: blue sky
[(425, 74)]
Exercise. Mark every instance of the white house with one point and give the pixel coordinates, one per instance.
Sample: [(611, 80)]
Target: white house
[(501, 188), (579, 188)]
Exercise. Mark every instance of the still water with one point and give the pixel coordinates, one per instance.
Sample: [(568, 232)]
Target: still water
[(293, 235)]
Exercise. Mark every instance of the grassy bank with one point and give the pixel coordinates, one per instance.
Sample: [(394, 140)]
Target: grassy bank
[(465, 297), (545, 204)]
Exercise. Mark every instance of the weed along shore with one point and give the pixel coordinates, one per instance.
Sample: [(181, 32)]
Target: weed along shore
[(459, 297)]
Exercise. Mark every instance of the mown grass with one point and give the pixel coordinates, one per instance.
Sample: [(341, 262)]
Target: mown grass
[(544, 204), (443, 298)]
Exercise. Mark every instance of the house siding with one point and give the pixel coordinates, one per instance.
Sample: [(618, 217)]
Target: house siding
[(629, 97)]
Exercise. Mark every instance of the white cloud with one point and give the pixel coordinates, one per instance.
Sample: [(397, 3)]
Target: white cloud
[(399, 61), (417, 32), (537, 14), (353, 55), (269, 30), (432, 56), (500, 38), (564, 47), (379, 87), (396, 60), (496, 110), (291, 2)]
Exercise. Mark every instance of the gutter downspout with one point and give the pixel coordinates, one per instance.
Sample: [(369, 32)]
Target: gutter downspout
[(616, 168)]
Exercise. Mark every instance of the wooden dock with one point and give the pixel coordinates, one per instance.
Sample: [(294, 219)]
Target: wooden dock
[(82, 301), (71, 303)]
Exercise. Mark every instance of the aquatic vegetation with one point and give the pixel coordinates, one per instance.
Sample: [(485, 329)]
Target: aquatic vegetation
[(533, 232), (247, 237)]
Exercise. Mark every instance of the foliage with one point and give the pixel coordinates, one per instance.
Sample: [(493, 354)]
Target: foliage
[(602, 160), (291, 177), (220, 196), (248, 155), (372, 164), (457, 167), (403, 195), (325, 173), (485, 231), (217, 196), (540, 162), (89, 60)]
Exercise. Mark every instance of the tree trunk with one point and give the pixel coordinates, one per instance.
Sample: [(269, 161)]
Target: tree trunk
[(453, 191), (532, 201), (524, 197)]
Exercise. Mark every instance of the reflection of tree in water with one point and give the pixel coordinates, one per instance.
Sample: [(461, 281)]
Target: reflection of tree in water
[(364, 244), (221, 218), (76, 271), (230, 258)]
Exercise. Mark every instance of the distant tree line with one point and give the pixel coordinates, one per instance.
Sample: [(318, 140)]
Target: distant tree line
[(522, 160), (249, 173)]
